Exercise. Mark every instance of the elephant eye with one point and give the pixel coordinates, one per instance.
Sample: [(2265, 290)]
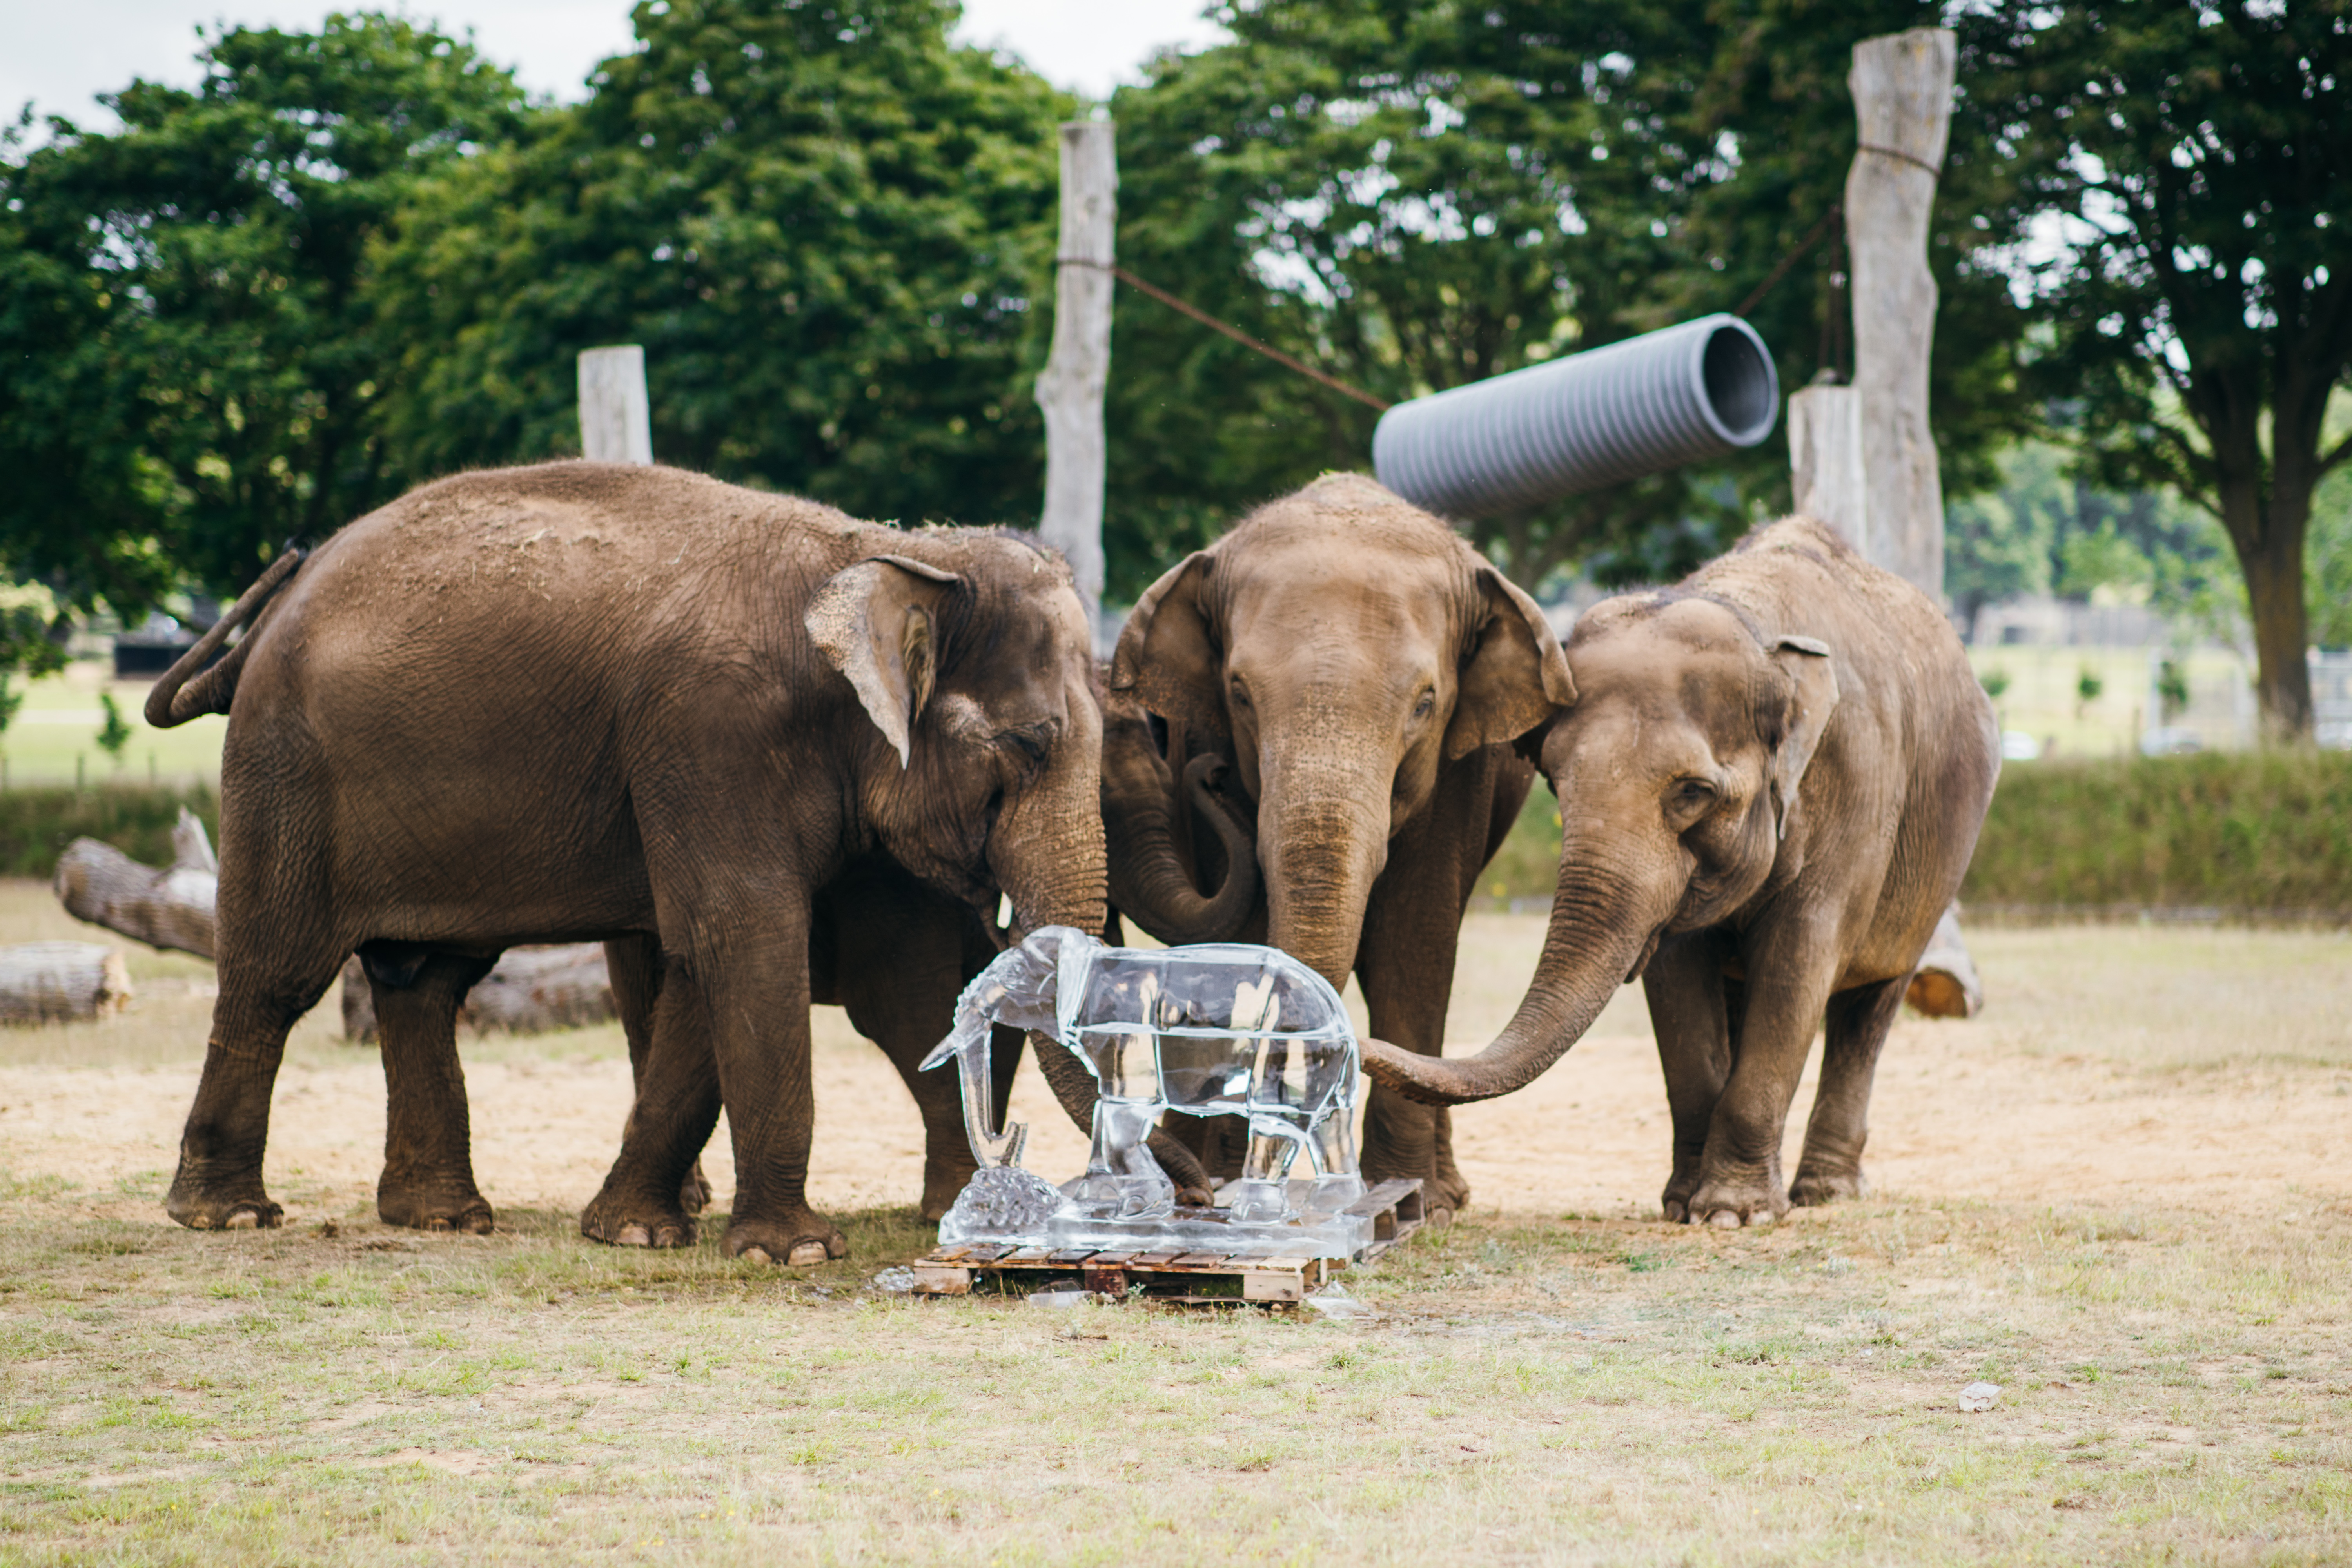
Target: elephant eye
[(1241, 693), (1421, 708), (1031, 748), (1692, 794)]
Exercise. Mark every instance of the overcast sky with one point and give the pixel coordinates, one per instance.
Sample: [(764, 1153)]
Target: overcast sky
[(60, 53)]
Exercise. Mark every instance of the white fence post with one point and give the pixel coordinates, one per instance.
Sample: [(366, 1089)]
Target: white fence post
[(616, 419), (1077, 369)]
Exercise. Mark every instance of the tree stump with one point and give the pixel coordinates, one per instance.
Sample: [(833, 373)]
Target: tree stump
[(61, 982)]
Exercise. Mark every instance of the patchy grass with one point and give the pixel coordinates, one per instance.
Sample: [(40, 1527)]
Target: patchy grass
[(1549, 1387), (1582, 1390)]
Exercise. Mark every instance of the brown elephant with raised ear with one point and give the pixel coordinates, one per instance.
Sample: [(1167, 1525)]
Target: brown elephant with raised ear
[(1771, 779), (1356, 673), (747, 741)]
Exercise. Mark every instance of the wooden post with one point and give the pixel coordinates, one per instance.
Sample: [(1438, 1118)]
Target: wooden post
[(616, 419), (1861, 457), (1902, 88), (1825, 459), (1077, 369)]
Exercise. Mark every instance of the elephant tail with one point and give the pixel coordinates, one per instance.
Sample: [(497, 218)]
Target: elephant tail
[(177, 697)]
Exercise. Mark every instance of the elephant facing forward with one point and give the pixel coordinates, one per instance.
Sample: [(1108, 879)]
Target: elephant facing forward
[(1356, 673), (1771, 781)]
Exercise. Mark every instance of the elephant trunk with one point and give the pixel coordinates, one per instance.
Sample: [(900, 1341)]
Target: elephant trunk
[(1604, 922), (1323, 832), (1147, 877)]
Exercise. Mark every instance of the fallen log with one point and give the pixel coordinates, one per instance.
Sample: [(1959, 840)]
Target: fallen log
[(61, 982), (171, 908), (1946, 984), (532, 990)]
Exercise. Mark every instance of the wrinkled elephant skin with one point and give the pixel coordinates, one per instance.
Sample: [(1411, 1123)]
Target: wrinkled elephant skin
[(1356, 673), (1771, 781), (763, 751)]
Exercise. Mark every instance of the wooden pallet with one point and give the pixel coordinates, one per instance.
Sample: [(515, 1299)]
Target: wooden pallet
[(1204, 1277)]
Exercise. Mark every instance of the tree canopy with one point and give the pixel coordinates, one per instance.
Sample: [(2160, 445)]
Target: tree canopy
[(194, 367), (355, 258)]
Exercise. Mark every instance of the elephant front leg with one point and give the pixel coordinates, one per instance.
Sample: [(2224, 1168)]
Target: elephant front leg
[(645, 1201), (1739, 1174), (1690, 1015)]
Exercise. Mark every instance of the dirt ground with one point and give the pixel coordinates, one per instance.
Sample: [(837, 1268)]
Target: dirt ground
[(2097, 1091), (2122, 1197)]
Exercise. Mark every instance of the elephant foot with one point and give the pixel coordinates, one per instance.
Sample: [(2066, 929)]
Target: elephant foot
[(1729, 1202), (1675, 1199), (1813, 1188), (797, 1238), (438, 1205), (223, 1204), (620, 1220), (694, 1193)]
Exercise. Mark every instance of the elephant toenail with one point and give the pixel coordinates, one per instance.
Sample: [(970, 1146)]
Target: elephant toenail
[(669, 1237), (242, 1219), (755, 1254), (806, 1255), (1724, 1219), (633, 1235), (436, 1223)]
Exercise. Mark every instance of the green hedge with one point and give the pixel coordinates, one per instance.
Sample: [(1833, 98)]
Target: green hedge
[(36, 825), (2255, 833), (2249, 832)]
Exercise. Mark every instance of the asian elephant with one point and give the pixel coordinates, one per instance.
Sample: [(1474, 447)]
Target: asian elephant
[(1356, 673), (733, 734), (1771, 779)]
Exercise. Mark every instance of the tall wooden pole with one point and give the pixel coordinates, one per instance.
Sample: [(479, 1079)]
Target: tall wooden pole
[(1863, 460), (1077, 369), (1862, 456), (616, 419), (1903, 99)]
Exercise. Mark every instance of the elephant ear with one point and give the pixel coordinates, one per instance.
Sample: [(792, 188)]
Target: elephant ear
[(1807, 702), (1167, 653), (1515, 676), (876, 621)]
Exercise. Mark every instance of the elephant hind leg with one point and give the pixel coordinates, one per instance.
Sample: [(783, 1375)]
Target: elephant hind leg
[(1857, 1024), (218, 1184), (428, 1162)]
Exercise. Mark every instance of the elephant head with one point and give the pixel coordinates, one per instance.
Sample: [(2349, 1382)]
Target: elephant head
[(970, 654), (1681, 773), (1338, 646)]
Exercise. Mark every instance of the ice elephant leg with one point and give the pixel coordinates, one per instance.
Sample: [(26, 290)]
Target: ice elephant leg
[(1121, 1175), (1261, 1196)]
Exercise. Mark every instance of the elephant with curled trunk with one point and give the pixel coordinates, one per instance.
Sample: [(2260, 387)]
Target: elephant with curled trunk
[(751, 743), (1771, 779), (1352, 674)]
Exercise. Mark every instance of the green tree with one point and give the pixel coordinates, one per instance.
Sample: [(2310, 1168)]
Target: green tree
[(826, 224), (2197, 158), (115, 732), (194, 369)]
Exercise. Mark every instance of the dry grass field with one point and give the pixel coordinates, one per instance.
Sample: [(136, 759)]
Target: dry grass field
[(2124, 1195)]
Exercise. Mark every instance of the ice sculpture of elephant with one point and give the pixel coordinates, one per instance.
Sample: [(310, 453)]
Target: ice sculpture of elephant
[(1215, 1030)]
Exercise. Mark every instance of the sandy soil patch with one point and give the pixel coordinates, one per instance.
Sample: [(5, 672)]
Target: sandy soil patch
[(1980, 1110)]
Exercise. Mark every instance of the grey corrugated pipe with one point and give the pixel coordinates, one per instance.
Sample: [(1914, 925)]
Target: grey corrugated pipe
[(1649, 404)]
